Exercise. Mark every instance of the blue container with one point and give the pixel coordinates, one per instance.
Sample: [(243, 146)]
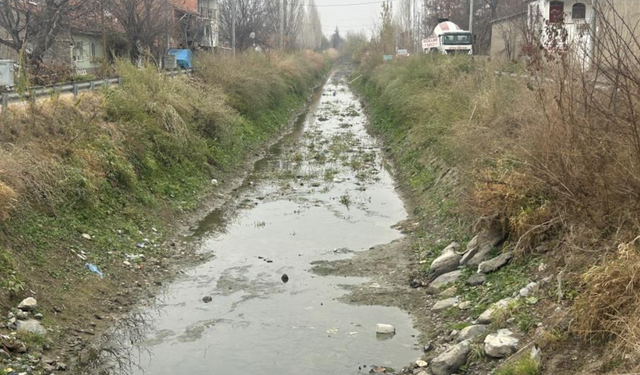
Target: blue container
[(183, 56)]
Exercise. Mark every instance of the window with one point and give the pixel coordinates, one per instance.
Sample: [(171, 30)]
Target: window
[(453, 39), (78, 51), (579, 11), (93, 50), (556, 11)]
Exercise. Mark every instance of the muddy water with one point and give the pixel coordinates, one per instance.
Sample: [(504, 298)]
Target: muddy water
[(322, 193)]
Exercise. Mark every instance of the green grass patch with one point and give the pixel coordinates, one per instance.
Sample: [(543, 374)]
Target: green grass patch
[(524, 366)]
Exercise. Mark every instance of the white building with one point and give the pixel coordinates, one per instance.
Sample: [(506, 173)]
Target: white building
[(560, 24), (572, 17)]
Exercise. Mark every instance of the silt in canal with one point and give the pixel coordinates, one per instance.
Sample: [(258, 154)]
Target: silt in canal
[(322, 193)]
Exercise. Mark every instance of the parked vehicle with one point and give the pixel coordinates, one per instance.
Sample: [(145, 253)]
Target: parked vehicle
[(448, 39)]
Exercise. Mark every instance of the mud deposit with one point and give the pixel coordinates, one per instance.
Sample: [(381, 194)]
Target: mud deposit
[(321, 195)]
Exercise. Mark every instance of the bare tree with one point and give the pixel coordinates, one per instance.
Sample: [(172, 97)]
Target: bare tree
[(293, 19), (253, 16), (263, 18), (143, 21), (311, 32), (33, 27)]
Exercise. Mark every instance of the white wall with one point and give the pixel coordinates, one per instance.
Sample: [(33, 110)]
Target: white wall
[(578, 30)]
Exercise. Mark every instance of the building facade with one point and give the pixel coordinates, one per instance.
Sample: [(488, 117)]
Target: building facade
[(560, 25)]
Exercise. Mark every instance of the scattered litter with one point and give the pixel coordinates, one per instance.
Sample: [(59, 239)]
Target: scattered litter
[(134, 257), (285, 278), (214, 182), (93, 268), (333, 331), (140, 245), (86, 236)]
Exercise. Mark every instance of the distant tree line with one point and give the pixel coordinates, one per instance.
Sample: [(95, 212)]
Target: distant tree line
[(263, 19)]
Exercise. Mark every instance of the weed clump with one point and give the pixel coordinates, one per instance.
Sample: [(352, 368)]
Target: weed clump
[(524, 366)]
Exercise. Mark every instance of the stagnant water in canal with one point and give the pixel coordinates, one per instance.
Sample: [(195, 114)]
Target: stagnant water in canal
[(322, 193)]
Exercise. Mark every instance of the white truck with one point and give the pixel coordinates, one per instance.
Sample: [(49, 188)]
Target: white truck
[(448, 39)]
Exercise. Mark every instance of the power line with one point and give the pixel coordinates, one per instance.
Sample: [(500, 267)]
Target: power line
[(350, 4)]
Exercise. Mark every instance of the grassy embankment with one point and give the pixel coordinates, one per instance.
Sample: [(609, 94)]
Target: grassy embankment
[(550, 162), (120, 165)]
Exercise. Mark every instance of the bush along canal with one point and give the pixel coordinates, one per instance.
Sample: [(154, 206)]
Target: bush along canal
[(288, 285)]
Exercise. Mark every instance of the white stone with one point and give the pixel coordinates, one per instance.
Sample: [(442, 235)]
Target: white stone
[(485, 317), (447, 262), (28, 304), (421, 363), (536, 354), (445, 279), (445, 304), (495, 263), (501, 344), (451, 360), (31, 326), (471, 332), (480, 246), (528, 290)]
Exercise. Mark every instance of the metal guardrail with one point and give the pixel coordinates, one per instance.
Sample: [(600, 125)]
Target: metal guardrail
[(74, 88)]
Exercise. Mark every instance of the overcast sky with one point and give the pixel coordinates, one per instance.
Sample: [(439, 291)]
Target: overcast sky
[(348, 18)]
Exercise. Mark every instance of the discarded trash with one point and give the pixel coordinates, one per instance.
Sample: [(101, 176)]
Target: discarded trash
[(93, 268), (134, 257), (86, 236), (385, 329), (285, 278), (214, 182), (333, 331), (207, 299)]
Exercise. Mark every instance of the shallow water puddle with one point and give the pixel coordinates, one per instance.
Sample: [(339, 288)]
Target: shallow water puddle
[(322, 193)]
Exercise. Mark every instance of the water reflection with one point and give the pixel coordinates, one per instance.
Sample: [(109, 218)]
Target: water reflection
[(321, 193)]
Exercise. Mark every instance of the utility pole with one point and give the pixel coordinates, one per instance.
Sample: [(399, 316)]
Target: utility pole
[(594, 27), (471, 24), (281, 13), (234, 14), (167, 11)]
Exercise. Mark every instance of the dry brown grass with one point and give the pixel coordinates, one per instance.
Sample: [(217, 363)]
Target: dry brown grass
[(609, 306), (7, 200)]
